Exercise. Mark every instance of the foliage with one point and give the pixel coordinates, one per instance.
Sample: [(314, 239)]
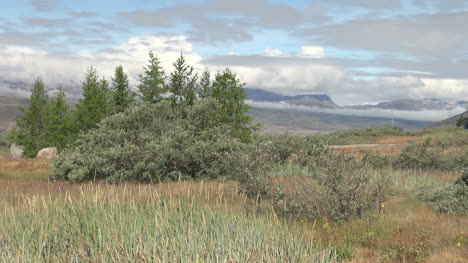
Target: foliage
[(205, 87), (463, 179), (354, 136), (31, 123), (292, 148), (94, 106), (451, 198), (376, 160), (5, 139), (152, 84), (121, 95), (428, 155), (336, 187), (182, 83), (229, 92), (155, 143), (60, 127), (460, 121)]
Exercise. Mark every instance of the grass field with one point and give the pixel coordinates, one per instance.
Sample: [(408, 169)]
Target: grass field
[(209, 221)]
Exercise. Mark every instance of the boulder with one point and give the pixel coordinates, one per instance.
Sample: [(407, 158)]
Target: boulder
[(47, 153), (16, 151)]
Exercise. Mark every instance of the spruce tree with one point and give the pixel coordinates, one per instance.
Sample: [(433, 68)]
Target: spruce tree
[(204, 88), (60, 130), (31, 123), (229, 92), (460, 121), (152, 81), (121, 95), (182, 83), (94, 106)]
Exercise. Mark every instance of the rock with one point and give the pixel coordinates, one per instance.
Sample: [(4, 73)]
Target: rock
[(47, 153), (16, 151)]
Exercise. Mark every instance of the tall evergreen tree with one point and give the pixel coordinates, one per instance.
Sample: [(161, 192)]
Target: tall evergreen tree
[(122, 96), (94, 106), (152, 81), (182, 83), (229, 91), (60, 130), (204, 88), (31, 123)]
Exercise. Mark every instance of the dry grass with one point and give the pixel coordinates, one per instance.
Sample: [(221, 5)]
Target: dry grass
[(396, 139), (406, 230)]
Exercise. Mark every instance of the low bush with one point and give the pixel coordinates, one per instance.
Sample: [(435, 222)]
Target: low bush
[(5, 140), (154, 143), (292, 148), (428, 155), (337, 188), (452, 199), (354, 136)]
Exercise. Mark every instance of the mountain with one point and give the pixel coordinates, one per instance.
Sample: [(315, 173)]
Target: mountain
[(321, 101), (449, 121), (9, 108), (415, 105)]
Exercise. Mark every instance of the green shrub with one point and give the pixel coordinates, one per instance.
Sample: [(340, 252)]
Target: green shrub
[(292, 148), (376, 160), (463, 179), (354, 136), (452, 199), (428, 155), (5, 140), (154, 143), (337, 187)]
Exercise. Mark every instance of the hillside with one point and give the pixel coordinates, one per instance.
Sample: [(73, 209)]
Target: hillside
[(449, 121)]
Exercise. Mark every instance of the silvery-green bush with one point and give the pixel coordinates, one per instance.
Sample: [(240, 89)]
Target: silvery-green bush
[(152, 143)]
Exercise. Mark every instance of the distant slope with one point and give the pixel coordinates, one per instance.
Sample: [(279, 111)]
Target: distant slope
[(450, 121), (321, 101), (279, 121), (416, 105), (9, 108)]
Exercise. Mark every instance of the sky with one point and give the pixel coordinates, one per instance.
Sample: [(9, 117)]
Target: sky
[(355, 51)]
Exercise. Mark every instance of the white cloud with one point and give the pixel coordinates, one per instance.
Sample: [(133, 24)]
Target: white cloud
[(273, 52), (425, 115), (313, 51)]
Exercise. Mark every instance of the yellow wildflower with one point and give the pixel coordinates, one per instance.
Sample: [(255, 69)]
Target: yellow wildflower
[(382, 205), (459, 244), (326, 226)]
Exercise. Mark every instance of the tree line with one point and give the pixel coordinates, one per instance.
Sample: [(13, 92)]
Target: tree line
[(49, 121)]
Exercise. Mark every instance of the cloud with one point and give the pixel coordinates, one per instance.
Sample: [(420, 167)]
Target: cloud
[(68, 69), (45, 5), (425, 115), (313, 51), (426, 35)]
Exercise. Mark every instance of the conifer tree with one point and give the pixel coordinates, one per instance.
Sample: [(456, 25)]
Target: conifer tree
[(152, 81), (229, 92), (204, 88), (460, 121), (31, 123), (121, 95), (60, 130), (94, 106), (182, 83)]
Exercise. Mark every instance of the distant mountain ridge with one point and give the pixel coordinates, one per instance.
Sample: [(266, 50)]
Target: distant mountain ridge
[(324, 101)]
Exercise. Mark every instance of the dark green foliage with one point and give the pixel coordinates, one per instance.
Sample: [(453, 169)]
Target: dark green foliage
[(94, 106), (205, 88), (460, 121), (152, 81), (5, 139), (121, 95), (376, 160), (229, 91), (156, 143), (60, 128), (31, 123), (182, 83)]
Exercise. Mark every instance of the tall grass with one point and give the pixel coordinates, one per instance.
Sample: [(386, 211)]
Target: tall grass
[(114, 225)]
